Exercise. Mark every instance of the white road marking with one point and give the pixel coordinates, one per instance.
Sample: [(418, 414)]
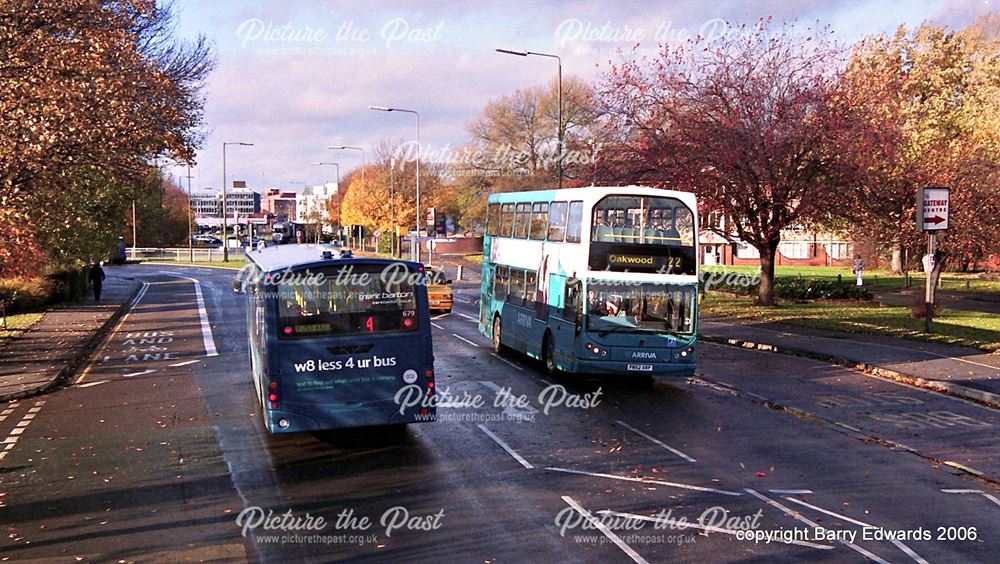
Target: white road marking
[(206, 330), (461, 338), (988, 496), (707, 528), (89, 384), (644, 481), (798, 517), (470, 318), (437, 326), (505, 361), (899, 544), (655, 440), (791, 492), (185, 363), (441, 315), (107, 338), (607, 532), (512, 411), (131, 374), (504, 446), (20, 428)]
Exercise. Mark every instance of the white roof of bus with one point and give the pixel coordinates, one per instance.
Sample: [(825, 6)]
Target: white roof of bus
[(280, 257), (590, 192)]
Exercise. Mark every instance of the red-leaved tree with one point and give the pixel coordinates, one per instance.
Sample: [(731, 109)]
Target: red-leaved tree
[(743, 121)]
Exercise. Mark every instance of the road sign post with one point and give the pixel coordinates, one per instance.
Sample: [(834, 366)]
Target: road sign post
[(932, 216)]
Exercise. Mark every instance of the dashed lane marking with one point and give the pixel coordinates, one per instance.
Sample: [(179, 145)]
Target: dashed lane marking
[(19, 429), (607, 532), (798, 517), (131, 374), (509, 363), (899, 544), (988, 496), (437, 326), (655, 440), (185, 363), (661, 522), (645, 481), (92, 384), (470, 318), (461, 338), (504, 446)]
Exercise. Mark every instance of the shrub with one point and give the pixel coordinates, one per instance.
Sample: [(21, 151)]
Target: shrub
[(24, 294), (806, 289)]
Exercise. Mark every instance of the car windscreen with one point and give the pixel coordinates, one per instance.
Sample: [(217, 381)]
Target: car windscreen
[(352, 299)]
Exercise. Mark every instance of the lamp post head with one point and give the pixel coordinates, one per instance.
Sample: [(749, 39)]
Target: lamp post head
[(380, 108), (511, 52)]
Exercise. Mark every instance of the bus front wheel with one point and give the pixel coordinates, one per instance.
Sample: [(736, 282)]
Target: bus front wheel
[(498, 346)]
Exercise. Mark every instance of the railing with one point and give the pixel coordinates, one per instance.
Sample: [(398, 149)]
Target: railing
[(183, 254)]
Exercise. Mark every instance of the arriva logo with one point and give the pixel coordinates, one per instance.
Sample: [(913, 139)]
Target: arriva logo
[(646, 355)]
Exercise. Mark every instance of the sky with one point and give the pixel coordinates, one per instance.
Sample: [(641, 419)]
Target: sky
[(294, 77)]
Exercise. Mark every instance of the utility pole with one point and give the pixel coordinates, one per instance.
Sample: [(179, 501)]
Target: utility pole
[(190, 216)]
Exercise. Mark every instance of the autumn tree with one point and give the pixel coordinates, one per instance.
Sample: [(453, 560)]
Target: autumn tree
[(90, 93), (933, 95), (743, 121)]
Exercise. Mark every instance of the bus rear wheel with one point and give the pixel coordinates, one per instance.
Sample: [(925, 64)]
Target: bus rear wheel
[(549, 355), (498, 346)]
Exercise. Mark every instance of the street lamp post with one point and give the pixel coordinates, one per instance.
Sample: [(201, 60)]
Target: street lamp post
[(190, 216), (225, 207), (337, 193), (363, 160), (559, 129), (416, 246)]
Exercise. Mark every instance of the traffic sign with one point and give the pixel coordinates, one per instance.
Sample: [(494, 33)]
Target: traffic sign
[(932, 209)]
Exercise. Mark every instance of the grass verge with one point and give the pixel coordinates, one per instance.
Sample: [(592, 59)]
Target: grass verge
[(18, 324), (951, 281), (967, 328)]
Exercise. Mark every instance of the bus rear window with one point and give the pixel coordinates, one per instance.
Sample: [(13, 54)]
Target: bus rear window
[(349, 300)]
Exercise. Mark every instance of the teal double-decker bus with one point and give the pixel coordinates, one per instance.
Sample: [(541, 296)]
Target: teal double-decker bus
[(337, 341), (594, 280)]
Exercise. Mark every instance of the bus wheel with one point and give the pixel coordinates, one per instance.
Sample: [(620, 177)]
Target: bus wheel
[(498, 346), (549, 354)]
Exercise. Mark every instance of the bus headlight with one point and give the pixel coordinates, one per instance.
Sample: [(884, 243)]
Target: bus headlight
[(283, 423)]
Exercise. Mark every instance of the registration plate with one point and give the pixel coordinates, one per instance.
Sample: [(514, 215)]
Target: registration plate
[(640, 367)]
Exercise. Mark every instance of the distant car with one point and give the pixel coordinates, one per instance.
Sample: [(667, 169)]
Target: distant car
[(439, 294), (206, 241)]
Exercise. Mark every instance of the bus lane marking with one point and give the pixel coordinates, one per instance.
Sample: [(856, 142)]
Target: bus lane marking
[(655, 441), (604, 529), (141, 373), (131, 306), (504, 446), (899, 544), (185, 363)]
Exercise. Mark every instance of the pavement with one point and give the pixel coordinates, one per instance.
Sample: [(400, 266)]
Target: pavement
[(53, 348)]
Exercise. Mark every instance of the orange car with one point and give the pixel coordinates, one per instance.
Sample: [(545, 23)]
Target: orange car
[(439, 296)]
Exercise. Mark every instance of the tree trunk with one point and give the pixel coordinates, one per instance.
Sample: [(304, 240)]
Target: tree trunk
[(765, 291), (897, 259)]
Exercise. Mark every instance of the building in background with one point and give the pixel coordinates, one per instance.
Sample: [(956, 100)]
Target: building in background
[(311, 204), (205, 205), (798, 246), (280, 205)]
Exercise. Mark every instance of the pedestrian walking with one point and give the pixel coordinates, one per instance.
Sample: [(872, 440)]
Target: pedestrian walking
[(96, 276), (859, 265)]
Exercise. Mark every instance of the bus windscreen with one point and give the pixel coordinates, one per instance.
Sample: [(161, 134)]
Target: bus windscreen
[(624, 307), (349, 300)]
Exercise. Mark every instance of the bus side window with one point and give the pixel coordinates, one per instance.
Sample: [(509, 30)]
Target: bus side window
[(522, 221), (557, 221), (530, 284), (493, 219), (539, 221), (506, 220), (516, 295), (575, 221), (500, 283)]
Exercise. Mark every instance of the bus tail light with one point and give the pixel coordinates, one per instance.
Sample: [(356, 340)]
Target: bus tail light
[(273, 385)]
